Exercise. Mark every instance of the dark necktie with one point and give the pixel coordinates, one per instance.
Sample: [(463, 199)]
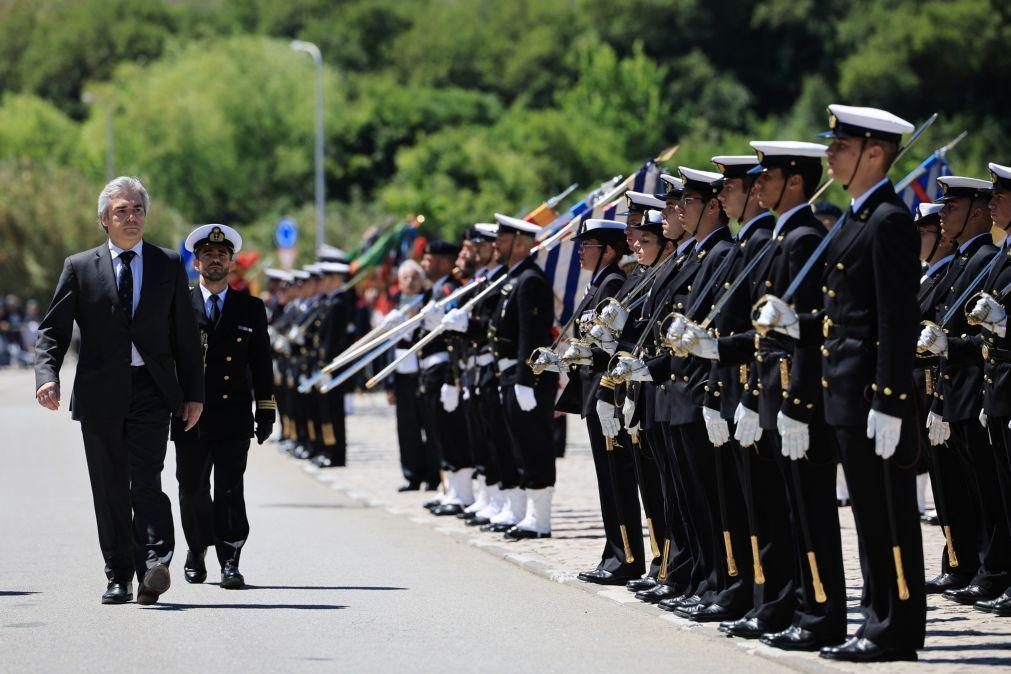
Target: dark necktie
[(215, 309), (125, 283)]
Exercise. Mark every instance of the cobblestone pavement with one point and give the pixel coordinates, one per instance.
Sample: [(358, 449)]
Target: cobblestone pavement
[(959, 638)]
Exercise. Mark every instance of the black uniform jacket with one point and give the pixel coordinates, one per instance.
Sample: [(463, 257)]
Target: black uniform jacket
[(162, 328), (522, 320), (435, 376), (996, 350), (580, 394), (237, 366)]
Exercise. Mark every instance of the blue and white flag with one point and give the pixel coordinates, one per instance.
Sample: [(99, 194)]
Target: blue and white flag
[(921, 184)]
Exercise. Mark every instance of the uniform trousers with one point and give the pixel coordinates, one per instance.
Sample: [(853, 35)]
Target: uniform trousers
[(500, 462), (531, 432), (676, 537), (416, 462), (619, 505)]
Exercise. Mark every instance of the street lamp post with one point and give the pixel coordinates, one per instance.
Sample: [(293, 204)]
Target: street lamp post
[(317, 59)]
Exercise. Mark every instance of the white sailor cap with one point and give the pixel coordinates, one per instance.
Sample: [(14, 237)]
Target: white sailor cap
[(654, 217), (638, 202), (300, 275), (508, 224), (328, 267), (487, 228), (848, 121), (327, 253), (786, 154), (927, 209), (706, 183), (313, 270), (955, 187), (477, 234), (1001, 176), (674, 185), (205, 234), (735, 165), (279, 275), (596, 227)]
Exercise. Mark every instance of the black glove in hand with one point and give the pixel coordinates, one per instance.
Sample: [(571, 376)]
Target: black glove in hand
[(264, 425)]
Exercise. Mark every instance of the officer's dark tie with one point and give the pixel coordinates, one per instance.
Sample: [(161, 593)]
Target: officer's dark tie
[(215, 308), (125, 283)]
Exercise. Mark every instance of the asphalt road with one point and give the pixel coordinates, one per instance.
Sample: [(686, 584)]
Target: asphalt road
[(332, 584)]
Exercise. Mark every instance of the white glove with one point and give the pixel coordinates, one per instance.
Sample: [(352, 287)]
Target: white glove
[(796, 436), (999, 328), (748, 429), (610, 425), (627, 412), (449, 396), (323, 380), (577, 354), (885, 430), (716, 426), (525, 397), (932, 339), (988, 310), (456, 320), (466, 393), (938, 430), (676, 330), (698, 342), (633, 369), (982, 418), (778, 316), (394, 318), (431, 316), (603, 337)]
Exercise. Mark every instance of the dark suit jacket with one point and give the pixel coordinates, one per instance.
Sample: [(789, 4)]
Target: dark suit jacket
[(522, 320), (238, 367), (162, 328)]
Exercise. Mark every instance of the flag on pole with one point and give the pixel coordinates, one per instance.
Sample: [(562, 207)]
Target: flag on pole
[(921, 184)]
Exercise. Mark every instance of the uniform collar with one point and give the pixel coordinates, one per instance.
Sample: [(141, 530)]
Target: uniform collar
[(207, 294), (962, 248), (781, 220), (939, 264), (857, 203), (744, 228), (716, 231)]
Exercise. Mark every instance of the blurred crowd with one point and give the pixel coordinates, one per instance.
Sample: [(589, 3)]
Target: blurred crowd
[(19, 321)]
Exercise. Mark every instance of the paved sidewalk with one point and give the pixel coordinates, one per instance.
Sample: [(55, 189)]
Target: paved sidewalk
[(959, 638)]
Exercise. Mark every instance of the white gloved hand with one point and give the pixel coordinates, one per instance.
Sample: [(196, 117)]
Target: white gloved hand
[(885, 430), (466, 393), (988, 310), (627, 412), (525, 397), (716, 426), (431, 316), (982, 418), (698, 342), (392, 319), (999, 328), (577, 354), (938, 430), (633, 369), (796, 436), (676, 330), (932, 339), (323, 380), (604, 339), (449, 396), (610, 426), (456, 320), (777, 315), (748, 430)]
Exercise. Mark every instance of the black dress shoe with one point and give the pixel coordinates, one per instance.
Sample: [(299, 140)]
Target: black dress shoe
[(970, 594), (194, 570), (745, 628), (432, 504), (654, 595), (858, 649), (602, 577), (946, 581), (640, 584), (1002, 606), (477, 521), (714, 613), (498, 528), (447, 510), (156, 581), (466, 515), (688, 610), (795, 638), (517, 534), (231, 579), (674, 603), (409, 486), (117, 592)]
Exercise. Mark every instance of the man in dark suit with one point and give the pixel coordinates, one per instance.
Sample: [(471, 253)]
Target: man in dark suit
[(139, 364), (233, 331)]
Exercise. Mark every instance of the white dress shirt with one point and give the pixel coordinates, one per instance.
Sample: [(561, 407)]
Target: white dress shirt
[(207, 300), (137, 268)]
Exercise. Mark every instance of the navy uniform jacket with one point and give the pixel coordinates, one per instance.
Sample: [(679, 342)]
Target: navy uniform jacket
[(580, 394), (960, 395), (237, 365), (726, 381), (337, 326), (522, 321), (442, 373), (929, 298)]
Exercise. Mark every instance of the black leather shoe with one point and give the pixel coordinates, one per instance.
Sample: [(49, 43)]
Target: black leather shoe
[(432, 504), (447, 510), (687, 611), (497, 528), (714, 613), (946, 581), (1002, 606), (795, 638), (156, 582), (640, 584), (409, 486), (477, 521), (231, 579), (745, 628), (864, 650), (658, 593), (117, 593), (602, 577), (467, 516), (517, 534), (970, 594), (674, 603), (194, 570)]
